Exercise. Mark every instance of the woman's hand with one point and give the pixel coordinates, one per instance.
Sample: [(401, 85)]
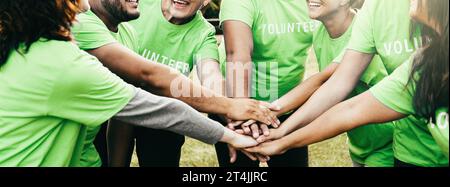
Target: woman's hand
[(271, 148)]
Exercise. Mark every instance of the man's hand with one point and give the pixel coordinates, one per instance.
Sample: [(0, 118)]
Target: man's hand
[(244, 109)]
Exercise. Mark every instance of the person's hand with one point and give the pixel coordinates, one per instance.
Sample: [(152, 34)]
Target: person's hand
[(274, 134), (271, 148), (245, 109), (255, 129), (252, 156), (237, 140)]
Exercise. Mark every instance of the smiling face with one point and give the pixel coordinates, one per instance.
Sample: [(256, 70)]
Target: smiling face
[(320, 9), (122, 10), (184, 9)]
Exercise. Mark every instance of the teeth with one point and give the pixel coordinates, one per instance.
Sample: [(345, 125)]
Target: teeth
[(181, 2), (132, 1), (314, 4)]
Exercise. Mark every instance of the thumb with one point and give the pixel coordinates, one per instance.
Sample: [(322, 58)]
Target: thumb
[(272, 106), (252, 149)]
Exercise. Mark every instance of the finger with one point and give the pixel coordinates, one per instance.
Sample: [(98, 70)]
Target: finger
[(247, 130), (265, 129), (262, 115), (240, 131), (262, 139), (271, 117), (236, 123), (262, 158), (231, 127), (233, 154), (255, 131), (249, 155), (251, 150), (248, 123)]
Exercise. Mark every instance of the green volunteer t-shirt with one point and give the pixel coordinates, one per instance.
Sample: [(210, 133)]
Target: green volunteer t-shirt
[(439, 130), (282, 35), (48, 99), (383, 27), (90, 33), (177, 46), (414, 143), (369, 145)]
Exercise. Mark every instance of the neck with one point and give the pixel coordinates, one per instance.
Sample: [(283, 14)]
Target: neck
[(165, 8), (109, 20), (338, 23)]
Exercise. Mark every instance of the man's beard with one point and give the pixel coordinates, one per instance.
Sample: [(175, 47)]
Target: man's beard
[(118, 12)]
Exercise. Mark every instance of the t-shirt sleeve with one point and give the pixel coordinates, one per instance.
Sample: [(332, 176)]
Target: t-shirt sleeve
[(237, 10), (88, 93), (339, 58), (208, 49), (90, 32), (395, 92), (362, 39)]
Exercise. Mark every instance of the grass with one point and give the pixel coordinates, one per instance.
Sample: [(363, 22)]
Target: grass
[(330, 153)]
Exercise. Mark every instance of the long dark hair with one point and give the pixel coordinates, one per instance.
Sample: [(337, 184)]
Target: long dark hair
[(26, 21), (430, 65)]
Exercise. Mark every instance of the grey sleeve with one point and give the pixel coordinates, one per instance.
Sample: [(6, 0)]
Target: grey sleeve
[(151, 111)]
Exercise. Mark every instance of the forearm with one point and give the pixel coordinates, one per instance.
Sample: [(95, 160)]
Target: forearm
[(158, 78), (361, 110), (150, 111), (211, 77), (300, 94), (168, 83), (334, 90)]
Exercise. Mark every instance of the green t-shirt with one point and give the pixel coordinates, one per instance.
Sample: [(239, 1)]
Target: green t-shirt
[(440, 129), (383, 27), (90, 33), (369, 145), (282, 35), (177, 46), (48, 99), (414, 143)]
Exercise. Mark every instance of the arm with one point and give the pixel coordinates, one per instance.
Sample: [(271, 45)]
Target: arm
[(148, 110), (239, 47), (358, 111), (162, 80), (300, 94), (335, 90), (210, 76)]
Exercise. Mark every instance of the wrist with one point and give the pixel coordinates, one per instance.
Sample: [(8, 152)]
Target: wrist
[(228, 136)]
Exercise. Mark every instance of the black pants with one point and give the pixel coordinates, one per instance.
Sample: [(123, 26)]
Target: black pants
[(155, 148), (101, 146), (292, 158)]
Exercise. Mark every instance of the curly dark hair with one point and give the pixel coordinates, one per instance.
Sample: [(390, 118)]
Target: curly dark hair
[(26, 21)]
